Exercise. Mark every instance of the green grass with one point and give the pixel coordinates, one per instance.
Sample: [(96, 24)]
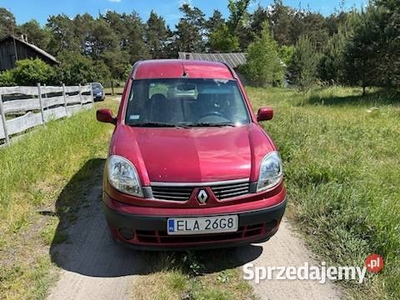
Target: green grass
[(195, 275), (118, 90), (33, 173), (178, 285), (341, 162), (342, 172), (342, 168)]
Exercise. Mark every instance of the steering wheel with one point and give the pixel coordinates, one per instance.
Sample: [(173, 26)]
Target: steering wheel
[(213, 117), (213, 113)]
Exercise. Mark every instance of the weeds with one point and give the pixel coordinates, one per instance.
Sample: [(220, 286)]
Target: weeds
[(192, 263), (342, 172), (33, 173), (193, 275), (340, 153), (341, 162)]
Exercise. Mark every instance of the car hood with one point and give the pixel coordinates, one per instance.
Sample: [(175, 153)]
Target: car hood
[(193, 154)]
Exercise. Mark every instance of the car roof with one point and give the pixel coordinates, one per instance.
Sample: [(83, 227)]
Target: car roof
[(178, 68)]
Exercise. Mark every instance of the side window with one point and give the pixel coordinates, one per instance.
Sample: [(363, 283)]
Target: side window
[(137, 102), (239, 105)]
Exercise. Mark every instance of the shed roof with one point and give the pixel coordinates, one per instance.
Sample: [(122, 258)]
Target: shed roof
[(231, 59), (33, 47)]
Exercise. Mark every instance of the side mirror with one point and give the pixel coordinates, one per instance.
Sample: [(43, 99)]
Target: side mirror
[(105, 116), (265, 114)]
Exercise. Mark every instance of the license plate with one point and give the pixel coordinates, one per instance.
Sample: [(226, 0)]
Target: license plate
[(202, 225)]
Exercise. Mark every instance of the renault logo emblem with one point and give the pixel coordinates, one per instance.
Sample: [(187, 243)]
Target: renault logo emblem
[(202, 196)]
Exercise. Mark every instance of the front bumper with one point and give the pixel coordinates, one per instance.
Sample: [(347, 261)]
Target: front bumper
[(99, 97), (149, 231)]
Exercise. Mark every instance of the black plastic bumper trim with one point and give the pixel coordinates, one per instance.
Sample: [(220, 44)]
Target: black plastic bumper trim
[(118, 219)]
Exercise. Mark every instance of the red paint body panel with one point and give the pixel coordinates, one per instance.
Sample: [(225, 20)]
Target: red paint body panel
[(232, 208), (193, 155), (202, 155), (171, 68), (131, 204)]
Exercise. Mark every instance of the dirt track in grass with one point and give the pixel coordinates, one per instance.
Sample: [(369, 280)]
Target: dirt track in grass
[(94, 267)]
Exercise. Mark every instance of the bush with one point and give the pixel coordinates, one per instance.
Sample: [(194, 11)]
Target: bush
[(30, 72), (7, 79)]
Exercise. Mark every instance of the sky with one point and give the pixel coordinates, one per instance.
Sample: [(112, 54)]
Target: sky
[(40, 10)]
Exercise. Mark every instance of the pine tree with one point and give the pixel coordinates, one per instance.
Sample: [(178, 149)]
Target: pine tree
[(221, 40), (362, 56), (303, 67), (156, 35), (191, 30), (263, 64), (7, 22)]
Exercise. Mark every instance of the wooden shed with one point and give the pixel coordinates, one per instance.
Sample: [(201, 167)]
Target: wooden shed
[(231, 59), (13, 48), (234, 60)]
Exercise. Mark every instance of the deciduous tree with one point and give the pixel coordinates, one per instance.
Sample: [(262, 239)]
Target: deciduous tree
[(35, 34)]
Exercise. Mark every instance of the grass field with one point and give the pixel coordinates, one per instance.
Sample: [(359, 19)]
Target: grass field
[(33, 173), (194, 275), (342, 169), (118, 90)]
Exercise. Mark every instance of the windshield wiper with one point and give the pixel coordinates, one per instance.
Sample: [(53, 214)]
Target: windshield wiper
[(208, 124), (153, 124), (182, 125)]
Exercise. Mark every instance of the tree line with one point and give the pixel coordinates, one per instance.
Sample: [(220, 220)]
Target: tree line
[(283, 44)]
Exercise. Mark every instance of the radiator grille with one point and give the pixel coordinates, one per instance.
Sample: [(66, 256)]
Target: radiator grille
[(227, 191), (173, 193), (182, 192)]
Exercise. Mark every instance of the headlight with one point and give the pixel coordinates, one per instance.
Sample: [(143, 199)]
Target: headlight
[(122, 175), (271, 172)]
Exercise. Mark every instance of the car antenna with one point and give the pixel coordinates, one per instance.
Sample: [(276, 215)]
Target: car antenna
[(184, 74)]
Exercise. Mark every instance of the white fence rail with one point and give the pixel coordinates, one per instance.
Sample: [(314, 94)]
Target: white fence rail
[(25, 107)]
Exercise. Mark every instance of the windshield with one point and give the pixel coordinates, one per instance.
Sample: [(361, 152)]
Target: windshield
[(97, 86), (185, 102)]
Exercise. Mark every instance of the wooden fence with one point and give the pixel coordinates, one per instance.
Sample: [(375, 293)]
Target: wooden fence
[(25, 107)]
